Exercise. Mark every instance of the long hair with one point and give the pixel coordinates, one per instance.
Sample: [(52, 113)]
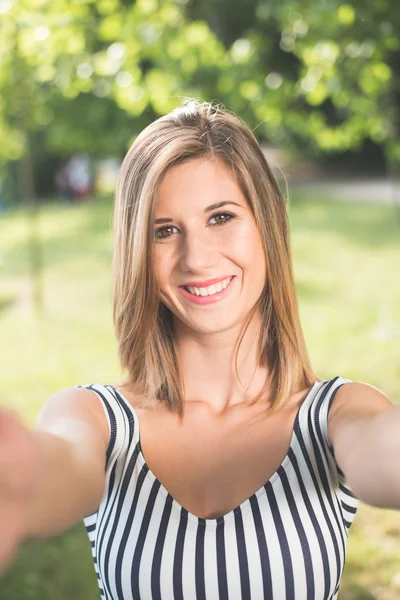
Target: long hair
[(143, 324)]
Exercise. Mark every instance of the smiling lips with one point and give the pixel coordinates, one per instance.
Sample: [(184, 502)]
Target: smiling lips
[(209, 290), (210, 294)]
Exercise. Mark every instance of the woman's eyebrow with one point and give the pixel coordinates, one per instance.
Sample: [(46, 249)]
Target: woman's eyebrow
[(219, 204), (208, 209)]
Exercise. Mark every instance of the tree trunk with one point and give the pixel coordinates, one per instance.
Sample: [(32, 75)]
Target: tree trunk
[(34, 237)]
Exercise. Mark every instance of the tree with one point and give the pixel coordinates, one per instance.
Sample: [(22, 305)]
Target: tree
[(327, 73), (323, 73), (69, 68)]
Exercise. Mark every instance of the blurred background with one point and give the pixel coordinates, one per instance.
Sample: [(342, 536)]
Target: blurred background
[(318, 82)]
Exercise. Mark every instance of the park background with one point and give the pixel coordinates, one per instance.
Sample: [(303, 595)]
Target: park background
[(318, 82)]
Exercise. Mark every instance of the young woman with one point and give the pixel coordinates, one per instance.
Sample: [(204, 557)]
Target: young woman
[(221, 467)]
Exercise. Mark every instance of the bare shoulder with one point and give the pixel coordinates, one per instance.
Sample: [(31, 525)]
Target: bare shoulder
[(73, 404), (354, 403)]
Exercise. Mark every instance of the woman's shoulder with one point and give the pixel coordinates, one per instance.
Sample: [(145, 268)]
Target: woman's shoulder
[(358, 395), (355, 401), (73, 406), (80, 397)]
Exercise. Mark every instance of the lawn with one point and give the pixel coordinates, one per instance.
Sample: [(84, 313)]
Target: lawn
[(346, 262)]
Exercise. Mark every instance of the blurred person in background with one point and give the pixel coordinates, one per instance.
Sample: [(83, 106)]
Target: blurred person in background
[(221, 466), (74, 178)]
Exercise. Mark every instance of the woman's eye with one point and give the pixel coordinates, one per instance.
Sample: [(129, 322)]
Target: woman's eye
[(166, 231), (159, 232), (227, 217)]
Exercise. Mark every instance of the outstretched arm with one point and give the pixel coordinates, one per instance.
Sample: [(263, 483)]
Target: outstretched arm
[(364, 430), (72, 443), (52, 477)]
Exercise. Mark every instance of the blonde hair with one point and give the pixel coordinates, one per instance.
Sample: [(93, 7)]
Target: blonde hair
[(143, 324)]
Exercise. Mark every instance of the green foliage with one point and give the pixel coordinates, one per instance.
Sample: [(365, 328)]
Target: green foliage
[(87, 73), (82, 71), (324, 73)]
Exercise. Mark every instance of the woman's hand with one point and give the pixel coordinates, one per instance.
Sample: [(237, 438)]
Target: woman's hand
[(19, 474)]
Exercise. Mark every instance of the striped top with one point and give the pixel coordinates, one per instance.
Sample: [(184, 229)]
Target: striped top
[(286, 542)]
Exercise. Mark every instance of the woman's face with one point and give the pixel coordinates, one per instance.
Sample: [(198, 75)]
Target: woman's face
[(195, 242)]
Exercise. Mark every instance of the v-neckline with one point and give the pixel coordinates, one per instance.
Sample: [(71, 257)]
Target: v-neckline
[(214, 520)]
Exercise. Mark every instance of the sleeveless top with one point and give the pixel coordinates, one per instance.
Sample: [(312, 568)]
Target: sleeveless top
[(286, 542)]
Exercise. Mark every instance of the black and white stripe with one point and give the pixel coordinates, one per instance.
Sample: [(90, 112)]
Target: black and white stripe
[(286, 542)]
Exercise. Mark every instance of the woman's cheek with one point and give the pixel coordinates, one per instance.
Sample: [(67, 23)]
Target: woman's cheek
[(244, 241)]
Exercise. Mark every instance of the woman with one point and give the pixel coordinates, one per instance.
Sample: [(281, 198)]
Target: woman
[(221, 467)]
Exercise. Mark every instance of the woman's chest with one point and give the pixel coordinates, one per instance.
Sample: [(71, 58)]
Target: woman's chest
[(211, 466)]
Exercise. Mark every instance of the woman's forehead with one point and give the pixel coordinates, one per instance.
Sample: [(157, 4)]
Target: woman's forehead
[(198, 183)]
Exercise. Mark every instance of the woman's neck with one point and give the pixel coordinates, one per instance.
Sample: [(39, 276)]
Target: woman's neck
[(207, 364)]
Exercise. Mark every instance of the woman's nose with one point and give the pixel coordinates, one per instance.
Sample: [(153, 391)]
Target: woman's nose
[(197, 252)]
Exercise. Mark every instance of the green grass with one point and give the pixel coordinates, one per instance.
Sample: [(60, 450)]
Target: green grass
[(346, 262)]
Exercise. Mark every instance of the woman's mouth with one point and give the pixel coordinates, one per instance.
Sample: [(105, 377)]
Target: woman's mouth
[(210, 294)]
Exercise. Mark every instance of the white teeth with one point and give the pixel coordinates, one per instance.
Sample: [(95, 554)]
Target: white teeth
[(210, 290)]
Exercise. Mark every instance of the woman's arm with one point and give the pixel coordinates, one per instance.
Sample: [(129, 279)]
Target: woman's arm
[(72, 440), (364, 430), (52, 477)]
